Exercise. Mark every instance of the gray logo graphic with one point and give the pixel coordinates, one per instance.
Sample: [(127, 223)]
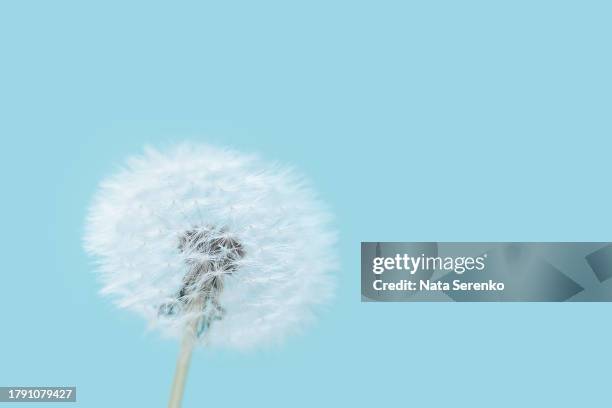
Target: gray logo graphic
[(486, 272)]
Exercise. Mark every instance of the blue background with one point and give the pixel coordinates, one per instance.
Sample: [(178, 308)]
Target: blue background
[(417, 121)]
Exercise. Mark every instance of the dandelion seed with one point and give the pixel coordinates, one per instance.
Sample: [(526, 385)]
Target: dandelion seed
[(212, 245)]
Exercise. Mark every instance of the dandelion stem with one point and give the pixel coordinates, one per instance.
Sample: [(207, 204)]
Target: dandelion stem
[(182, 365)]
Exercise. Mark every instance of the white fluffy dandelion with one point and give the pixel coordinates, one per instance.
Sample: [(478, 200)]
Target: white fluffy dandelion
[(213, 245)]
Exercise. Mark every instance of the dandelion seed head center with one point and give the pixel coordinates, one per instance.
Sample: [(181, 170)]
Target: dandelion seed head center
[(211, 251), (210, 254)]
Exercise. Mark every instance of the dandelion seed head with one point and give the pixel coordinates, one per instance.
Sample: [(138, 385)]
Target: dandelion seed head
[(240, 245)]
